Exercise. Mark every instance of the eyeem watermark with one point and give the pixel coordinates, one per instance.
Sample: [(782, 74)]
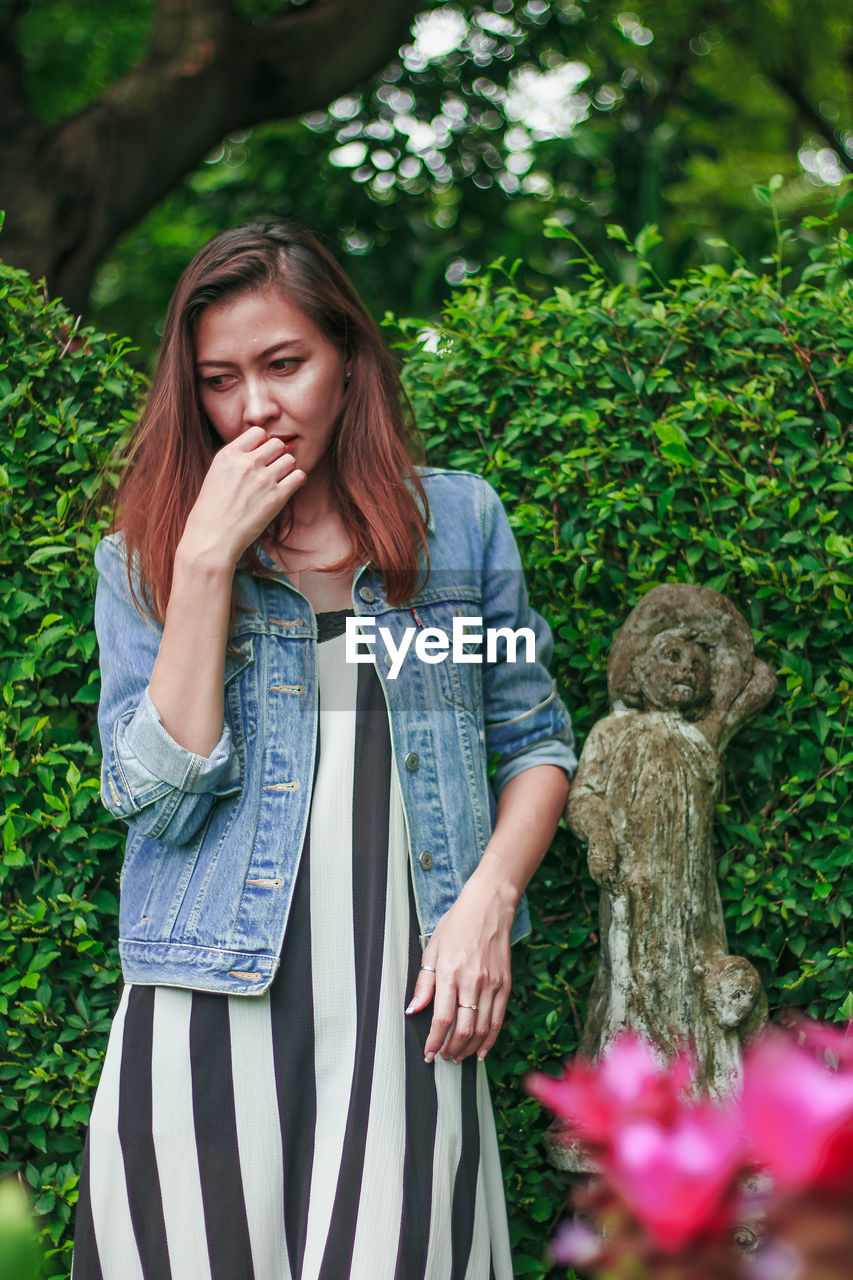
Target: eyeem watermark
[(432, 644)]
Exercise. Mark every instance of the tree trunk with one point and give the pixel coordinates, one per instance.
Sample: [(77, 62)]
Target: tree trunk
[(71, 189)]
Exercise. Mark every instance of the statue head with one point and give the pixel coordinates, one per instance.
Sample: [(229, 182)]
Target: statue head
[(673, 673), (682, 648)]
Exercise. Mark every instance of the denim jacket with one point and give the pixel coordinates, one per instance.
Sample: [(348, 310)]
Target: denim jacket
[(214, 842)]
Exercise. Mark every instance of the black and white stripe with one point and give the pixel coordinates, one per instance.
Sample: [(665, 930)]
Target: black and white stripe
[(300, 1135)]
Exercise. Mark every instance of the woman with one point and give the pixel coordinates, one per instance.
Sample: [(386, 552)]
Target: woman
[(310, 848)]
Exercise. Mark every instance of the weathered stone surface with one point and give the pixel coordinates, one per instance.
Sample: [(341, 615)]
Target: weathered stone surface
[(683, 679)]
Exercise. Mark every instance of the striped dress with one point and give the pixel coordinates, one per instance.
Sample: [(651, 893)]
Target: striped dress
[(300, 1135)]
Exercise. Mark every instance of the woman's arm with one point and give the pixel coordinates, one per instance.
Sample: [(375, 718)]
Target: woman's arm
[(149, 780), (469, 949), (248, 483), (188, 680), (167, 753)]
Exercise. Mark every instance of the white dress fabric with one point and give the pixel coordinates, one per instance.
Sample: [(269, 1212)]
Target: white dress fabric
[(300, 1135)]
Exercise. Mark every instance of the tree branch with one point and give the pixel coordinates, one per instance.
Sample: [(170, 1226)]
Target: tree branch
[(311, 52), (207, 71), (178, 24), (16, 110)]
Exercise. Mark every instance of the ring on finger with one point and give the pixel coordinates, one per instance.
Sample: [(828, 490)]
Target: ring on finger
[(429, 968), (468, 1006)]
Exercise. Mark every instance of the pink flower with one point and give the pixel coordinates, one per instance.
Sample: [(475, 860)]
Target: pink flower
[(629, 1080), (677, 1176), (826, 1038), (575, 1245), (798, 1113)]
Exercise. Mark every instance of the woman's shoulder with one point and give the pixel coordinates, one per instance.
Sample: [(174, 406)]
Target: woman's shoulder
[(111, 563), (111, 556), (455, 488), (111, 547), (441, 477), (463, 500)]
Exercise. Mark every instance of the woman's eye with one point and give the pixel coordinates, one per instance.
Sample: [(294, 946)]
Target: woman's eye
[(218, 382), (284, 364)]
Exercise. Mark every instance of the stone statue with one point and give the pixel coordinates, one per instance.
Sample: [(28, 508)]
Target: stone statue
[(683, 679)]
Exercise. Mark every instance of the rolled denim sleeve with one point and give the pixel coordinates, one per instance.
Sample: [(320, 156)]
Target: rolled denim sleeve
[(527, 723), (157, 786)]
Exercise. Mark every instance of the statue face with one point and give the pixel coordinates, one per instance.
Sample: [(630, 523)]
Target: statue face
[(675, 673)]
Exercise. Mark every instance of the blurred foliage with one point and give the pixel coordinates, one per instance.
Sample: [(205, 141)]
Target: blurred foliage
[(493, 119), (695, 431), (692, 431), (73, 49), (64, 396), (19, 1254)]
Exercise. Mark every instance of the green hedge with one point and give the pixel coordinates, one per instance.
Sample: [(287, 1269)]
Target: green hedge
[(693, 432), (64, 396)]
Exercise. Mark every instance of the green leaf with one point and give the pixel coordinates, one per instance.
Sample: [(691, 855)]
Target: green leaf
[(648, 238)]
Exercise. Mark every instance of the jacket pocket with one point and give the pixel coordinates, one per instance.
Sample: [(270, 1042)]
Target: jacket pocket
[(456, 680)]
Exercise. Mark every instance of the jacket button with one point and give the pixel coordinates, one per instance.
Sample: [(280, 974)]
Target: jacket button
[(426, 860), (367, 594), (412, 762)]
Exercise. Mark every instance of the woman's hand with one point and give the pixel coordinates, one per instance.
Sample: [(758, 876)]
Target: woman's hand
[(467, 959), (248, 483), (466, 963)]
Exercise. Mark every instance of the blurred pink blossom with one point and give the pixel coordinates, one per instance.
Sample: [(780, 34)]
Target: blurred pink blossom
[(826, 1038), (575, 1245), (678, 1176), (798, 1114), (672, 1160), (668, 1194), (629, 1080)]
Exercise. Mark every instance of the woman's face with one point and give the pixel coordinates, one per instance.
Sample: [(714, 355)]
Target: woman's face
[(260, 361), (676, 674)]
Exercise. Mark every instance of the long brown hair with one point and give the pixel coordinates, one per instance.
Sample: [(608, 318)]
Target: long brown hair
[(378, 492)]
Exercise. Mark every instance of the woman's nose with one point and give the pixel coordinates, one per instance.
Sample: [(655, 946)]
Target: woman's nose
[(259, 404)]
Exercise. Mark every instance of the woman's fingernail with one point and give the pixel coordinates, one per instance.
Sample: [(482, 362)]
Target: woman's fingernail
[(428, 1057), (409, 1010)]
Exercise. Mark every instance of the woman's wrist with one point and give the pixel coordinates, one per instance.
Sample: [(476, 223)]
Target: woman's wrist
[(494, 880), (529, 809), (214, 562)]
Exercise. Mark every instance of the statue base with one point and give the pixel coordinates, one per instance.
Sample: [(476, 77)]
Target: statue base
[(566, 1154)]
